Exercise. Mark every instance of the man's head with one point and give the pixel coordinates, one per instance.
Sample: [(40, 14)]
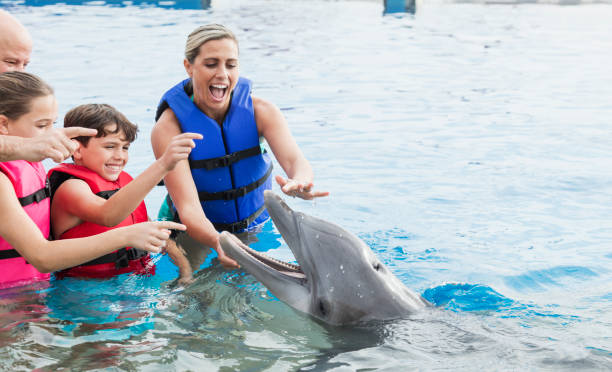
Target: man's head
[(107, 152), (15, 44)]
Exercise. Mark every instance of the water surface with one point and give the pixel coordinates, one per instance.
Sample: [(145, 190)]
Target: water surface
[(468, 145)]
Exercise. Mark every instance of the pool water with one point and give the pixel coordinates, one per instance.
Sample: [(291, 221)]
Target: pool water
[(467, 144)]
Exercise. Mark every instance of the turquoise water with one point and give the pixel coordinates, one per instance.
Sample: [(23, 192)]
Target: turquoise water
[(468, 145)]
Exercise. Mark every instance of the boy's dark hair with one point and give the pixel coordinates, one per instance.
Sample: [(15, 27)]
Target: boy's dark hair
[(99, 116)]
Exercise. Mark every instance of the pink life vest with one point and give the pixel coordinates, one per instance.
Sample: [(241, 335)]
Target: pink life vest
[(125, 260), (29, 182)]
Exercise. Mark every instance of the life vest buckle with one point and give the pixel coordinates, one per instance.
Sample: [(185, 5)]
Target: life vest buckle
[(223, 161)]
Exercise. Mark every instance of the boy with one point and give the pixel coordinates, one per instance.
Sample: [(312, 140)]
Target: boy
[(95, 195)]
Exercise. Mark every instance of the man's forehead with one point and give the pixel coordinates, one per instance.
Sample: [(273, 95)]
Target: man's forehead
[(15, 45)]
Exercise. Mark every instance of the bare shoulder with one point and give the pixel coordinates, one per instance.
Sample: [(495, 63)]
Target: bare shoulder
[(71, 190), (267, 115), (6, 188), (166, 127), (167, 122), (263, 107)]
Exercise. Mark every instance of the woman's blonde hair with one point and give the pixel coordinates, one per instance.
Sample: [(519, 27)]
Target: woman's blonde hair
[(18, 90), (204, 34)]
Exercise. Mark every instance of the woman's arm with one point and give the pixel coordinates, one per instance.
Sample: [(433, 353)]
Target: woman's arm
[(46, 256), (183, 192), (272, 125)]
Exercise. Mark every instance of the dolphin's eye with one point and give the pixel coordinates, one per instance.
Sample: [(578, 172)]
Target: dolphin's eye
[(376, 266), (322, 308)]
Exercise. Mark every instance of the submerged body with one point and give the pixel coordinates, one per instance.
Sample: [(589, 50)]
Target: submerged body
[(339, 280)]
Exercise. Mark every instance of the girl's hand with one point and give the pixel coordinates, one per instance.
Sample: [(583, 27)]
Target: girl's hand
[(178, 149), (300, 189), (151, 236)]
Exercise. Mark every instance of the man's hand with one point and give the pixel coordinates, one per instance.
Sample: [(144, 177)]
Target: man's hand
[(57, 144)]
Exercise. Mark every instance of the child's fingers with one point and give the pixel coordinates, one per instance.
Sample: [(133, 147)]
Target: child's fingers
[(193, 135), (183, 143), (170, 225), (189, 136)]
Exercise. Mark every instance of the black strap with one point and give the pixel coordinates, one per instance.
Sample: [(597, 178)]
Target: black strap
[(107, 194), (240, 225), (231, 227), (37, 196), (234, 193), (5, 254), (121, 258), (225, 160)]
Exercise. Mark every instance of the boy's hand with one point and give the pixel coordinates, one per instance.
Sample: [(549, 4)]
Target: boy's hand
[(178, 149), (151, 236)]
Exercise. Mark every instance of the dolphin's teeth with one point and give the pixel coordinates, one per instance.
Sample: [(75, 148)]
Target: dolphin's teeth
[(284, 264)]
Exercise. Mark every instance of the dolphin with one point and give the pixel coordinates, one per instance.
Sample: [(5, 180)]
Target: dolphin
[(337, 279)]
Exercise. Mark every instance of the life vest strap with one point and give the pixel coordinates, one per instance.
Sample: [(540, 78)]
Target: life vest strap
[(107, 193), (237, 192), (225, 160), (230, 227), (5, 254), (240, 225), (121, 257), (36, 196)]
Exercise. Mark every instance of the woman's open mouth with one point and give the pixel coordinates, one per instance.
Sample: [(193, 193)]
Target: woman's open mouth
[(218, 91)]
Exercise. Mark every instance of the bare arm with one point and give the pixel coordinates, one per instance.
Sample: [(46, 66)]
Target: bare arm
[(183, 191), (55, 145), (272, 125), (25, 237), (75, 198), (178, 257)]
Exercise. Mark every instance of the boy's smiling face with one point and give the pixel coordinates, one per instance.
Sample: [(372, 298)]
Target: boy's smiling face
[(107, 155)]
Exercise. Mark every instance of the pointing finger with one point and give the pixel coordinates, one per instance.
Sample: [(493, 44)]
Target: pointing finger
[(171, 225), (72, 132)]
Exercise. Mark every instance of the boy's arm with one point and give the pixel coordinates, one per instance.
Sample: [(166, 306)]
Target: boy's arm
[(178, 257), (46, 256), (76, 198), (183, 192)]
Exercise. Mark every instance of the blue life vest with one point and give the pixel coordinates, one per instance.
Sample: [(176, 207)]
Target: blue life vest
[(229, 170)]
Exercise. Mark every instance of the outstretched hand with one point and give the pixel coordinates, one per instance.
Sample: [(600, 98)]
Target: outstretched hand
[(225, 260), (152, 236), (300, 189), (178, 149)]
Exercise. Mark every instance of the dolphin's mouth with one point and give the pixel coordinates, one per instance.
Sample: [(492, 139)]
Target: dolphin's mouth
[(281, 267)]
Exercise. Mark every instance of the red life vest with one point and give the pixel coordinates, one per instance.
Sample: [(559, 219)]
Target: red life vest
[(119, 262), (30, 186)]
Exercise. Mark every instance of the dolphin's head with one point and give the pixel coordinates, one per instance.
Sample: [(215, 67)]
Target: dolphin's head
[(338, 278)]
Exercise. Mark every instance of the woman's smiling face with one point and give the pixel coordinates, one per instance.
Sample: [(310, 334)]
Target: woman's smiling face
[(214, 73)]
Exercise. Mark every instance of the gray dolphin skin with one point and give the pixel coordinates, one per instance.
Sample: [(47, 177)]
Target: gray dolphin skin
[(338, 278)]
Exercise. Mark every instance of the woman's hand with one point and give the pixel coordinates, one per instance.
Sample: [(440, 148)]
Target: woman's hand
[(300, 189), (224, 259)]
